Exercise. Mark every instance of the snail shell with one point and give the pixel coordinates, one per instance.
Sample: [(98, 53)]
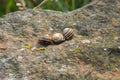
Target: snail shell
[(58, 38), (68, 33), (45, 39)]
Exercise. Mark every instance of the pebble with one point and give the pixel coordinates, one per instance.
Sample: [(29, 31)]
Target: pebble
[(85, 41)]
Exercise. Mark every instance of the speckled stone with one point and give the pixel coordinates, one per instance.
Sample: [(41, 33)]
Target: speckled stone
[(98, 21)]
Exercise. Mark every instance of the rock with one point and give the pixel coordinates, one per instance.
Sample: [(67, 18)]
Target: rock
[(98, 22)]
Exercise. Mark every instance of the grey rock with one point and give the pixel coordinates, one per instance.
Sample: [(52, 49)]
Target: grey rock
[(71, 60)]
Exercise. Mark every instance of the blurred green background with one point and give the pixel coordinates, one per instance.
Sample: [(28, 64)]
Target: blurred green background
[(7, 6)]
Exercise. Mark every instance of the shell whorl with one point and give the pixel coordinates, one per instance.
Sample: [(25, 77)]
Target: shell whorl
[(68, 33), (45, 39), (58, 38)]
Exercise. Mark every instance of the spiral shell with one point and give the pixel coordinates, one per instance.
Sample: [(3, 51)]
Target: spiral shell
[(68, 33), (58, 38), (45, 39)]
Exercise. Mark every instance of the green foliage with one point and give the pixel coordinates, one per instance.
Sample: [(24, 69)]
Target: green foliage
[(10, 6), (65, 5), (7, 6)]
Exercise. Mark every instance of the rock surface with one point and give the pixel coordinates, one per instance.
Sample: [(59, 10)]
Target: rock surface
[(93, 53)]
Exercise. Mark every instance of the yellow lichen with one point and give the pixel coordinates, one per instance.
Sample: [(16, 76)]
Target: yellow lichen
[(21, 36), (76, 50), (28, 46)]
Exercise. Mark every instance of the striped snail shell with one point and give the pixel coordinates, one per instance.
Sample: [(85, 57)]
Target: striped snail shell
[(45, 39), (68, 33), (58, 38)]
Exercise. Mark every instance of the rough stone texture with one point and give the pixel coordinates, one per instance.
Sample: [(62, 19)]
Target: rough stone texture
[(93, 53)]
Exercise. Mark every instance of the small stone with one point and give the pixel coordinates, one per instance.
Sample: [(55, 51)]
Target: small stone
[(105, 49), (20, 58), (85, 41)]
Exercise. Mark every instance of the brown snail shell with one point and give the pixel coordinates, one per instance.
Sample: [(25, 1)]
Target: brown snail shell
[(58, 38), (68, 33), (45, 39)]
